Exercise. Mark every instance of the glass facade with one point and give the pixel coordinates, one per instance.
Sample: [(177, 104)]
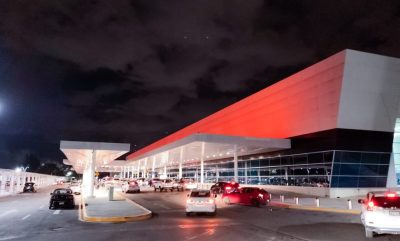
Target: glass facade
[(396, 149), (316, 169)]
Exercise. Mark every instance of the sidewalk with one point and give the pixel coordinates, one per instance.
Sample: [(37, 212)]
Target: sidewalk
[(337, 205), (100, 209)]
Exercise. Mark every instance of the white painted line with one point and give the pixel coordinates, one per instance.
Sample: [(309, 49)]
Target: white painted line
[(162, 206), (8, 212), (57, 212), (27, 216)]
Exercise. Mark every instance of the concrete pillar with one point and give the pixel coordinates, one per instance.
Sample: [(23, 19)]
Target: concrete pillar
[(138, 169), (18, 176), (245, 172), (153, 167), (180, 162), (235, 164), (217, 172), (12, 178), (202, 151), (166, 160), (90, 175), (3, 182), (145, 168)]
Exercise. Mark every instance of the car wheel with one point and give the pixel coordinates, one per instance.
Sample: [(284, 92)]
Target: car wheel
[(369, 233), (188, 214), (161, 189), (213, 213), (255, 203), (138, 191), (227, 200), (155, 189), (172, 189)]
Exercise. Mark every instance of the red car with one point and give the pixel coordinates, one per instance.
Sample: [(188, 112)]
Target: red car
[(222, 187), (247, 196)]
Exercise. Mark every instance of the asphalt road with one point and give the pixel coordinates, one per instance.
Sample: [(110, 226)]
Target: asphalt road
[(27, 217)]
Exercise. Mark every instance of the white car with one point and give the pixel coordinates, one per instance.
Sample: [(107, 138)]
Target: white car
[(200, 201), (130, 186), (162, 185), (76, 188), (380, 213)]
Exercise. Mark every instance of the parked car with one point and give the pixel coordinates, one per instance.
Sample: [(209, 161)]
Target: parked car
[(200, 201), (75, 187), (62, 197), (153, 181), (222, 187), (380, 213), (247, 196), (178, 185), (130, 186), (166, 184), (29, 187)]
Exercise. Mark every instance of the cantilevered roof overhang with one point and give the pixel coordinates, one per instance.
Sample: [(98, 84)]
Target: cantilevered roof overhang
[(80, 153), (188, 149)]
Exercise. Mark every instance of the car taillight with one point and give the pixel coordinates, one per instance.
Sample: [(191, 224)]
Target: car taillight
[(391, 195), (189, 201), (370, 205)]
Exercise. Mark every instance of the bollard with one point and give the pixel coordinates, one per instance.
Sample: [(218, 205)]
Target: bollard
[(296, 200), (349, 204), (317, 201), (111, 193)]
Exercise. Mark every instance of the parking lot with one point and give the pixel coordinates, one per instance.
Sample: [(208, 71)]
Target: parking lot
[(32, 220)]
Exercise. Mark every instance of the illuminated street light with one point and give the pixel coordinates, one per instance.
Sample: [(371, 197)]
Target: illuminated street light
[(18, 169)]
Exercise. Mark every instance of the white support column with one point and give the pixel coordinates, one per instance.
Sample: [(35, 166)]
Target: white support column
[(164, 160), (235, 164), (12, 178), (153, 167), (3, 182), (18, 176), (180, 162), (138, 169), (245, 173), (202, 151), (145, 168), (90, 175)]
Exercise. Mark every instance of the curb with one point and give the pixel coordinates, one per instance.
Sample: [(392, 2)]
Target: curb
[(116, 219), (317, 209)]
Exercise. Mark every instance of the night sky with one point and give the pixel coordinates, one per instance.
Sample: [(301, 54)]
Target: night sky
[(136, 71)]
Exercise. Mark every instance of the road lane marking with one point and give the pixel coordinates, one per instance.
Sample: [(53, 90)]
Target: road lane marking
[(57, 212), (27, 216), (8, 212), (162, 206)]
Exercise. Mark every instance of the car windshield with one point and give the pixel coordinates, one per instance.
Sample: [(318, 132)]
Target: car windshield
[(387, 202), (62, 191), (200, 194)]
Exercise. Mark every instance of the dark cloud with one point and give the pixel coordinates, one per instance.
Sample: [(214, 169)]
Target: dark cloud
[(134, 71)]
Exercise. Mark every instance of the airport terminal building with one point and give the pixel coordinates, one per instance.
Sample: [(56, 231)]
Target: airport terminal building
[(327, 130)]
